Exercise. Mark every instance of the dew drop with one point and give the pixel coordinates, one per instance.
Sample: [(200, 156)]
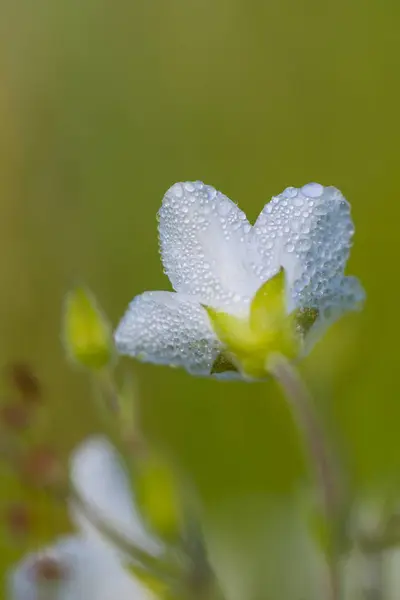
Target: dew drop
[(313, 190), (176, 190), (289, 247)]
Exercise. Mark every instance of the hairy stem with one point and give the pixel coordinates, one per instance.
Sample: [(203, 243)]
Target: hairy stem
[(324, 468), (166, 568)]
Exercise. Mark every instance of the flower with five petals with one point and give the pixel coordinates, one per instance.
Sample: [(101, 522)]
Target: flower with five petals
[(243, 292)]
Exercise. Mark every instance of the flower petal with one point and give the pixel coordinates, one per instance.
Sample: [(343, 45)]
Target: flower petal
[(169, 329), (341, 294), (73, 569), (307, 231), (100, 480), (205, 245)]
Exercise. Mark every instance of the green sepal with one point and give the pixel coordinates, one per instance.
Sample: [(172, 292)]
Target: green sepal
[(266, 329), (304, 319), (223, 364), (268, 307)]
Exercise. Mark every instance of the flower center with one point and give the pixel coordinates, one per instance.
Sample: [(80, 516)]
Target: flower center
[(267, 329)]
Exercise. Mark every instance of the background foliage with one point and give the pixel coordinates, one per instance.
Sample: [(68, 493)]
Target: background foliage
[(103, 105)]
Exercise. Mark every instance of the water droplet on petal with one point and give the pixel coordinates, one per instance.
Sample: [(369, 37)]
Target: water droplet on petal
[(177, 190), (289, 247), (290, 192), (224, 206), (313, 190)]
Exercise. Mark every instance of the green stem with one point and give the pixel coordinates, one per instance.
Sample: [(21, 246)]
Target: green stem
[(373, 580), (323, 466), (105, 392), (164, 568)]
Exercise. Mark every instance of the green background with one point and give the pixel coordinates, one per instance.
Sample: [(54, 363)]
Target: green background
[(103, 105)]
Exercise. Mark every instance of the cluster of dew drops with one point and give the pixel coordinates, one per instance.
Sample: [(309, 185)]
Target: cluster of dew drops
[(316, 226), (311, 225), (189, 210), (181, 328)]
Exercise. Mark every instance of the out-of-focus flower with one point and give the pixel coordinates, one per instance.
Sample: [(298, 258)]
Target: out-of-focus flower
[(243, 291), (88, 566)]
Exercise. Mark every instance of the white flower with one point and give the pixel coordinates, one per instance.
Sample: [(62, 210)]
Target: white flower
[(86, 566), (216, 262)]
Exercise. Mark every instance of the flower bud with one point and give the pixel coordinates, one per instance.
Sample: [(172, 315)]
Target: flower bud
[(87, 333)]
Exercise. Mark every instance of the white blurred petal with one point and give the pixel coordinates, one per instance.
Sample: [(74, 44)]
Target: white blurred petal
[(169, 329), (308, 231), (101, 482), (205, 245), (88, 572), (230, 376)]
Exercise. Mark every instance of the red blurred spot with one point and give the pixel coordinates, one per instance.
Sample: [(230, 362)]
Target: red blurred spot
[(19, 519), (135, 444), (49, 569), (15, 416), (26, 382), (41, 467)]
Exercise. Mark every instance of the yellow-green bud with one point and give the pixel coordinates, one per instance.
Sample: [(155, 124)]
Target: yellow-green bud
[(87, 332)]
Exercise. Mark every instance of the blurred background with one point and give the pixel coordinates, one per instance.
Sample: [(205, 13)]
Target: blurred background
[(103, 106)]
